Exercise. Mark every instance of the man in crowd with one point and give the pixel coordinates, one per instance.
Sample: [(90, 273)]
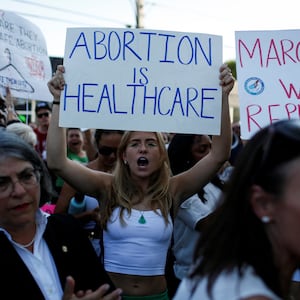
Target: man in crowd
[(43, 115)]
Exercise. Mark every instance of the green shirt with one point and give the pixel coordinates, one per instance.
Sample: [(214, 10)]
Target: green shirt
[(83, 160)]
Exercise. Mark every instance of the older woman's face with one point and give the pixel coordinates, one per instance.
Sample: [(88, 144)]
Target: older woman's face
[(19, 193)]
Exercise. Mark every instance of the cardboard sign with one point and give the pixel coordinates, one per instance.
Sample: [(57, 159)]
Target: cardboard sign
[(24, 63), (146, 80), (268, 68)]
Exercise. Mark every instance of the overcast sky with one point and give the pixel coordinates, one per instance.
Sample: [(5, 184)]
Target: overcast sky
[(218, 17)]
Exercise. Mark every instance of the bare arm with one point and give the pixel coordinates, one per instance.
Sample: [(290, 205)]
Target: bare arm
[(191, 181), (85, 180), (63, 202), (64, 198), (11, 113)]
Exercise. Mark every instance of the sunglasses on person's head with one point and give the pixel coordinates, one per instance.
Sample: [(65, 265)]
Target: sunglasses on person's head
[(288, 130), (106, 151), (281, 145), (45, 114)]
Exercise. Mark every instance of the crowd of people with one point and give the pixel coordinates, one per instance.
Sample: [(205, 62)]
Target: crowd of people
[(147, 215)]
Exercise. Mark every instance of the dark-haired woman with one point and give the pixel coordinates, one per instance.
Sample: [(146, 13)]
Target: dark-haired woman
[(251, 248)]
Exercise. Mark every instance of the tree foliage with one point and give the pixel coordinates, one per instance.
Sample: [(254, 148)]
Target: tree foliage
[(232, 65)]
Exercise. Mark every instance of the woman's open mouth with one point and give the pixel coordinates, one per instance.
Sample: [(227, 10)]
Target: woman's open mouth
[(142, 161)]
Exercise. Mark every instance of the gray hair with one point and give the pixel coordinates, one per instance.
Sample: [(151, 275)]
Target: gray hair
[(13, 146), (24, 131)]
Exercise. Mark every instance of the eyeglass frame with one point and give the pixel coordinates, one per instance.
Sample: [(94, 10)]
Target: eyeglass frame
[(5, 191)]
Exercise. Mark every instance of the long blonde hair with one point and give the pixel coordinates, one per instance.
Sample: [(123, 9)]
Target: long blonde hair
[(124, 189)]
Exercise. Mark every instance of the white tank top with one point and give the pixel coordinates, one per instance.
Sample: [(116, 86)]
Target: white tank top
[(138, 248)]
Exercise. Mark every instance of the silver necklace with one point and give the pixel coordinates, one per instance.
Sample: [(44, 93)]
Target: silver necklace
[(27, 245)]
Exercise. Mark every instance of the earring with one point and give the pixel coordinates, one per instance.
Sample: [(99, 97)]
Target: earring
[(265, 219), (125, 162)]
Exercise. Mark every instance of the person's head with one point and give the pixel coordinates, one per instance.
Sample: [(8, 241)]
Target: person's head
[(24, 131), (187, 149), (107, 144), (43, 114), (142, 170), (24, 181), (142, 154), (259, 220), (74, 140)]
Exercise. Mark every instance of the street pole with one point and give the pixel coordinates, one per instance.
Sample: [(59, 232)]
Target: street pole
[(139, 13)]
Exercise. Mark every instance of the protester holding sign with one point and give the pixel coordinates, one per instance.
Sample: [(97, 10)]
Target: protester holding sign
[(251, 247), (137, 197)]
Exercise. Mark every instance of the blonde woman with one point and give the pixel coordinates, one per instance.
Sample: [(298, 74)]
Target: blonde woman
[(138, 196)]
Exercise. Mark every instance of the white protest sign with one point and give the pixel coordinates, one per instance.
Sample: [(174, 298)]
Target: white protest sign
[(24, 63), (268, 69), (133, 79)]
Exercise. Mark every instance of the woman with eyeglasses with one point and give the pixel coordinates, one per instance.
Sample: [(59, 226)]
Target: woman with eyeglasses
[(251, 247), (42, 256), (86, 208), (138, 195)]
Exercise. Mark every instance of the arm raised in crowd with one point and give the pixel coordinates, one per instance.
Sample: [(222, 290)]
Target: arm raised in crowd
[(79, 176), (190, 182)]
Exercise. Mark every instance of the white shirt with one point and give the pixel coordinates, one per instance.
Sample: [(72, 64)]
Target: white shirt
[(189, 213), (137, 248), (40, 262), (229, 286)]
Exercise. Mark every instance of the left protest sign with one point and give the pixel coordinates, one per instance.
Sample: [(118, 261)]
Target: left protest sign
[(24, 63)]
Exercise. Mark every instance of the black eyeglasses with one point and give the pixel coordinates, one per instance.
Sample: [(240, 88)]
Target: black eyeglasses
[(27, 178), (45, 114), (106, 151)]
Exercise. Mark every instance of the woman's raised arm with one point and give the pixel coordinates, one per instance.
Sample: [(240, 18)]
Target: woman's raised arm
[(79, 176), (190, 182)]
